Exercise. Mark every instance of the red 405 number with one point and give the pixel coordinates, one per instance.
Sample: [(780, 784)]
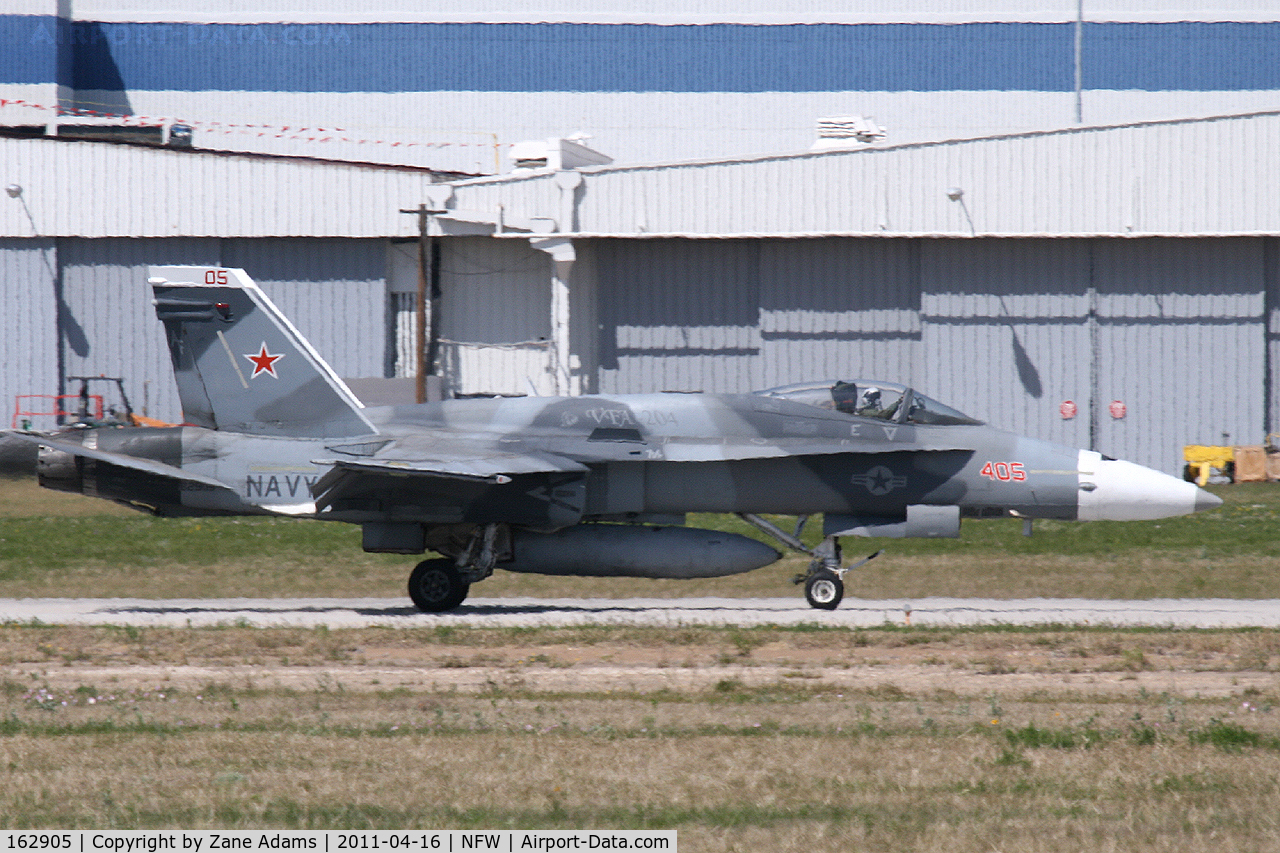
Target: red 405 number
[(1004, 471)]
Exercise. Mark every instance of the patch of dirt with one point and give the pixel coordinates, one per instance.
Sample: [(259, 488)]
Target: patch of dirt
[(914, 670)]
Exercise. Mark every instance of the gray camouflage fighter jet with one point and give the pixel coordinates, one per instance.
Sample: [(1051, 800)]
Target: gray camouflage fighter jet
[(593, 485)]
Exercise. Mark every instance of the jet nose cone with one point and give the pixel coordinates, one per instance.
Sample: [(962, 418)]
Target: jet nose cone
[(1115, 490), (1206, 500)]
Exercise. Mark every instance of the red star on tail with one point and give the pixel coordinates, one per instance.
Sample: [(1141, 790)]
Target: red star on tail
[(264, 362)]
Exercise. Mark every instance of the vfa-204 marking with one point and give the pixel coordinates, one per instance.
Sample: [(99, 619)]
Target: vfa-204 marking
[(588, 485)]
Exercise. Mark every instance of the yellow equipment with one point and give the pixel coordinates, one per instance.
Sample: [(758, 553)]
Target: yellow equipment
[(1203, 458)]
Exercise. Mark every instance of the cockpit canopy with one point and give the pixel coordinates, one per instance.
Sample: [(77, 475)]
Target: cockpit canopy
[(886, 401)]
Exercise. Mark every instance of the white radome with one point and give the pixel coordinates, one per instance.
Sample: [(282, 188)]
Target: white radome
[(1115, 490)]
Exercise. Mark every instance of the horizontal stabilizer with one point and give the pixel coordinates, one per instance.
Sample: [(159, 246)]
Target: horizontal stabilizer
[(420, 482), (122, 460)]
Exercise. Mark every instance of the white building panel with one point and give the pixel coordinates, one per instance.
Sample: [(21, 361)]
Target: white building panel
[(332, 80), (150, 192), (28, 283), (1197, 177)]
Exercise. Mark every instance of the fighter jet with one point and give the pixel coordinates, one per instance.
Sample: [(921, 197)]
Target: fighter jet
[(593, 485)]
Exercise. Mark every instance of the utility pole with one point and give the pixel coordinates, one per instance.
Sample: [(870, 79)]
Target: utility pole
[(426, 340)]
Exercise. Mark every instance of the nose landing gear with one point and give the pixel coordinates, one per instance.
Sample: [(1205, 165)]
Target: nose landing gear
[(824, 581)]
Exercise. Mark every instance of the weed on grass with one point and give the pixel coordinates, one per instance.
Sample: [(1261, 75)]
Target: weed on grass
[(1232, 737)]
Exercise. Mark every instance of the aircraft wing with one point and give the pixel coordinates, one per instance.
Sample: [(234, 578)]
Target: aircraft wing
[(493, 467), (150, 466), (429, 459)]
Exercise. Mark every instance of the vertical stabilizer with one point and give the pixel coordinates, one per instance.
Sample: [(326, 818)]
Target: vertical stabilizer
[(241, 366)]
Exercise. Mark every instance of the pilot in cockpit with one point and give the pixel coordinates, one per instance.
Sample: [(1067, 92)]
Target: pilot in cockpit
[(870, 402), (872, 405)]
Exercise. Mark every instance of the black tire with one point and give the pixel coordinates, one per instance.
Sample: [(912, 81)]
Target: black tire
[(824, 590), (436, 586)]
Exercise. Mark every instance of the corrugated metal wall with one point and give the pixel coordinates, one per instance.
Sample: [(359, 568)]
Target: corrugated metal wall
[(1195, 177), (1005, 332), (1182, 341), (495, 320), (585, 328), (111, 326), (1271, 305), (839, 308), (494, 291), (679, 315), (141, 191), (28, 348)]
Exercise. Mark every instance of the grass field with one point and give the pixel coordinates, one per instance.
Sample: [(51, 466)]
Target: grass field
[(141, 728), (741, 739), (54, 544)]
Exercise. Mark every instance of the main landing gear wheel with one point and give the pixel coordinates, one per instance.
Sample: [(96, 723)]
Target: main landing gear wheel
[(436, 586), (824, 590)]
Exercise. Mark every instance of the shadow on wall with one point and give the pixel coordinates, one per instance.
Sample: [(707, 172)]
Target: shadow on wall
[(94, 71), (1027, 373)]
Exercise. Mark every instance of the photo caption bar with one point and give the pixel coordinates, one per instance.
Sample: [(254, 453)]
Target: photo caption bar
[(334, 840)]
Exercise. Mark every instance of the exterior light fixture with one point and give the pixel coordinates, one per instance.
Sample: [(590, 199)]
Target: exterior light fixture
[(14, 190), (955, 193)]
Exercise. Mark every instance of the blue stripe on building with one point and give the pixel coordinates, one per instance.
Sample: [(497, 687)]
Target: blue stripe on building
[(1196, 57), (28, 48), (636, 57)]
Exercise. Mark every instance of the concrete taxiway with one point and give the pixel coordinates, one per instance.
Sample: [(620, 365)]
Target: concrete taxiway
[(529, 612)]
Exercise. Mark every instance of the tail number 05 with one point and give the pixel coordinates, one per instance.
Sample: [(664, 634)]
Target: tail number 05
[(1004, 471), (215, 276)]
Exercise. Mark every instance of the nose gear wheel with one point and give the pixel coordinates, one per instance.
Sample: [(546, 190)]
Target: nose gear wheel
[(824, 590)]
